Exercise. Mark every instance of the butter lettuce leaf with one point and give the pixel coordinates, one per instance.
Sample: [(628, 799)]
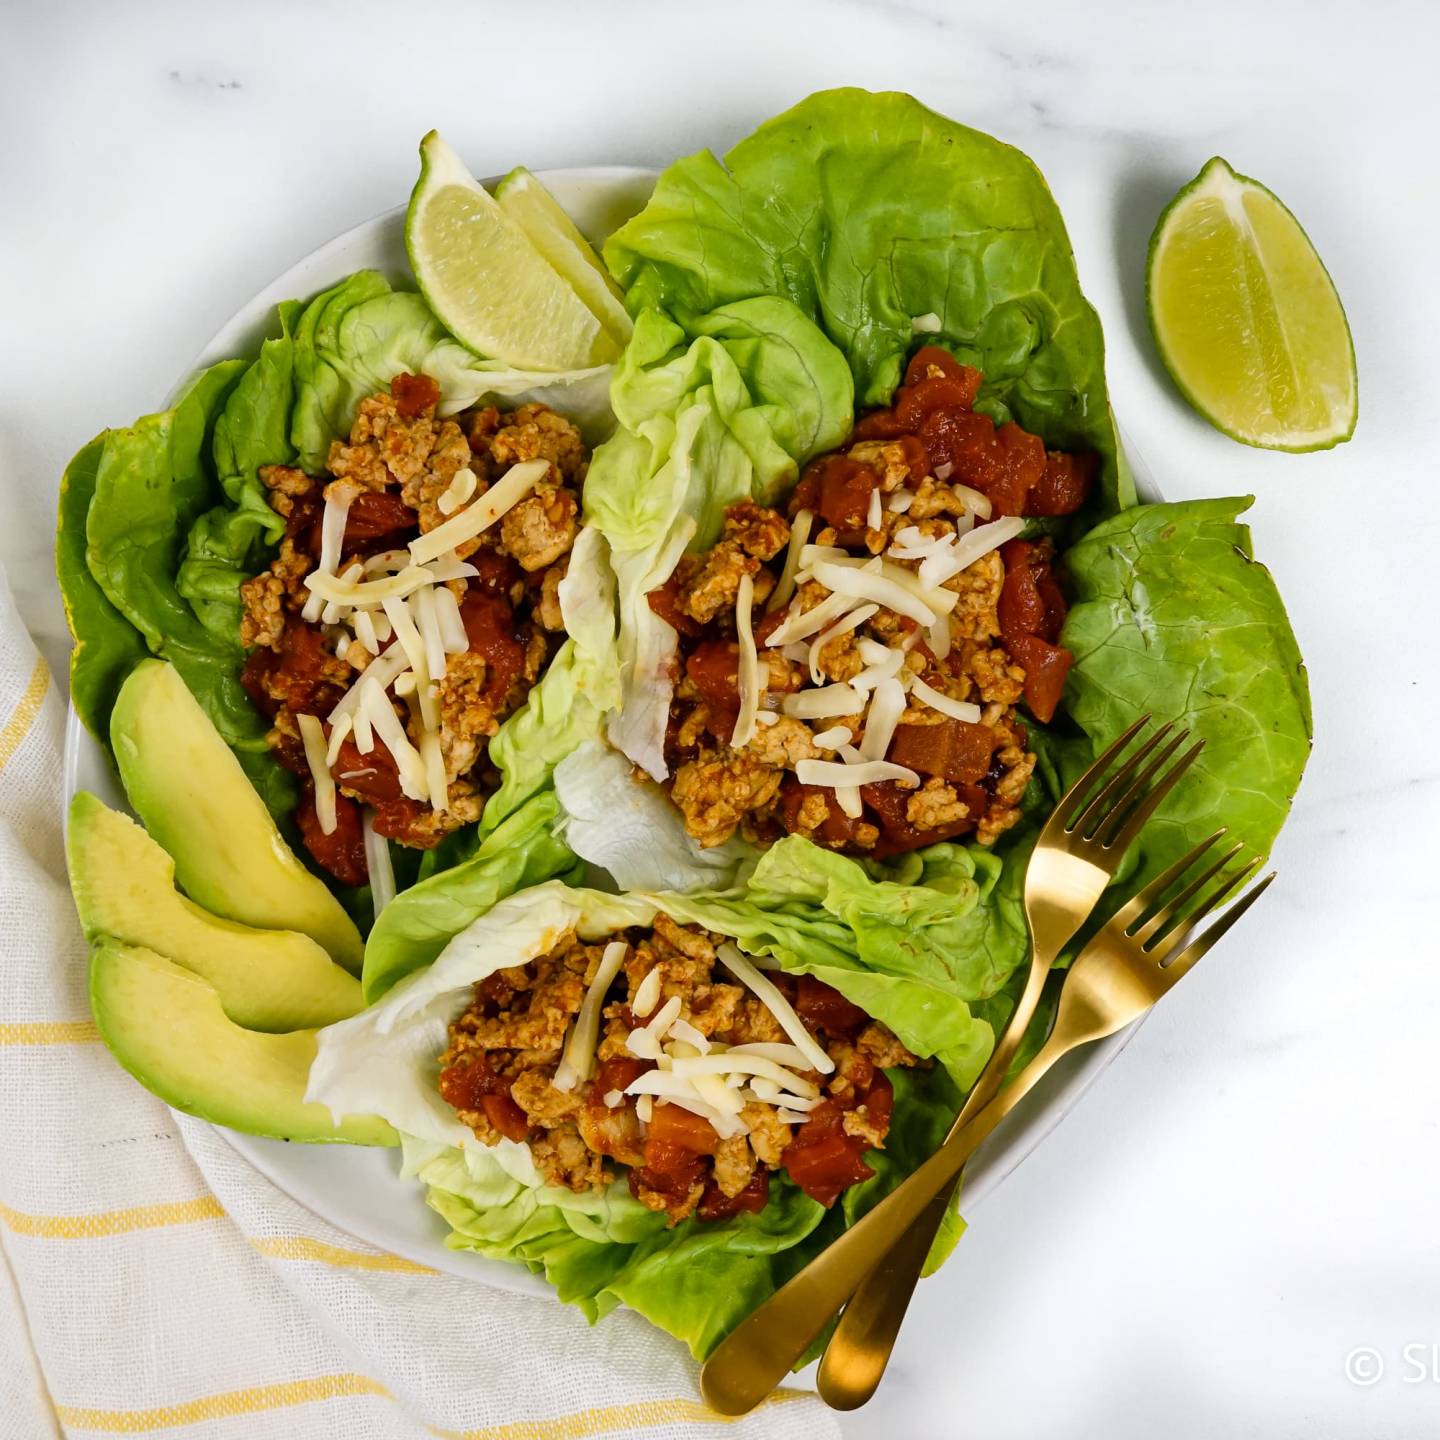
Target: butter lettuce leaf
[(1173, 617), (869, 212)]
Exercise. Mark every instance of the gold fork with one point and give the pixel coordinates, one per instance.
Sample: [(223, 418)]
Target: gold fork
[(1076, 856), (1119, 975)]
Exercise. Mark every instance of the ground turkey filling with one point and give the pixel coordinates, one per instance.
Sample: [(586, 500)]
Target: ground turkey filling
[(398, 470), (928, 468), (504, 1051)]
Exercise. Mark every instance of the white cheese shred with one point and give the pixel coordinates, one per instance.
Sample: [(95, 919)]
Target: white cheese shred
[(840, 627), (480, 514), (750, 682), (882, 718), (377, 862), (765, 991), (332, 541), (578, 1060), (828, 774), (647, 994), (342, 729), (452, 626), (785, 587), (945, 704), (312, 735)]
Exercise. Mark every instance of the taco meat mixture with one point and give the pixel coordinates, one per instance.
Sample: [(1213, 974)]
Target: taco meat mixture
[(403, 665), (689, 1079), (894, 621)]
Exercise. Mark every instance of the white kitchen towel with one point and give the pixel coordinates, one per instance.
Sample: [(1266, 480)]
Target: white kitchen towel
[(151, 1281)]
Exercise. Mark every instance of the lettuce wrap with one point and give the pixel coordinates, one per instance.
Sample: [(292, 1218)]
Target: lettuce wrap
[(846, 231), (923, 953), (162, 521)]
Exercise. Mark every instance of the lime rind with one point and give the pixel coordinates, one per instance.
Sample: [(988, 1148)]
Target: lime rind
[(1218, 181), (486, 281)]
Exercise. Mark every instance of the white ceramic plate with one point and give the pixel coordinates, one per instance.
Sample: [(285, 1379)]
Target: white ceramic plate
[(359, 1190)]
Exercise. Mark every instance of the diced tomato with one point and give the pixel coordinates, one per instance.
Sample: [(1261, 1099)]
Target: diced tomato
[(615, 1074), (879, 425), (665, 602), (506, 1116), (822, 1159), (934, 357), (342, 852), (376, 515), (373, 777), (845, 490), (407, 821), (302, 526), (1045, 667), (713, 668), (1022, 607), (1064, 485), (822, 1007), (495, 635), (714, 1205), (414, 394), (1053, 598), (886, 803), (879, 1100), (938, 392), (498, 573), (953, 750), (674, 1127), (837, 828)]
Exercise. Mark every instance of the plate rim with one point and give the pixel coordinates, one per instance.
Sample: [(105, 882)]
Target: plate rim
[(1019, 1135)]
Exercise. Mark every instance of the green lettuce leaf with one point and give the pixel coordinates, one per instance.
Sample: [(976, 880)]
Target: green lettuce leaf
[(107, 645), (152, 482), (418, 923), (1174, 618), (870, 212), (723, 413), (352, 339)]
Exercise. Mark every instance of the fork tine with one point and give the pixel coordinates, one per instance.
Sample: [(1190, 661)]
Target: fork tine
[(1121, 829), (1197, 947), (1078, 790), (1140, 905), (1161, 949), (1100, 805), (1165, 919)]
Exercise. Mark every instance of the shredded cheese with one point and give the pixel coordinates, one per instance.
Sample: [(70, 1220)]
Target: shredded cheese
[(801, 624), (937, 637), (647, 994), (830, 775), (834, 738), (427, 621), (785, 587), (684, 1032), (882, 718), (749, 669), (945, 704), (730, 1063), (436, 781), (342, 728), (414, 646), (452, 626), (332, 541), (377, 862), (482, 513), (312, 735), (579, 1056), (970, 547), (875, 515), (865, 584), (387, 562), (765, 991), (366, 593), (926, 324), (975, 501), (714, 1091), (457, 492), (842, 626), (900, 502), (791, 1055), (823, 704), (386, 724)]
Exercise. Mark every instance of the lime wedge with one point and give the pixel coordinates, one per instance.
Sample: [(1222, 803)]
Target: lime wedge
[(1247, 319), (554, 234), (489, 285)]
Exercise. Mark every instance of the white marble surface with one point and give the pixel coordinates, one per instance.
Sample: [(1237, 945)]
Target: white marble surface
[(1250, 1192)]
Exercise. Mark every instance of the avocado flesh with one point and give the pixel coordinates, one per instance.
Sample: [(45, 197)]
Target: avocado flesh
[(124, 886), (165, 1025), (196, 802)]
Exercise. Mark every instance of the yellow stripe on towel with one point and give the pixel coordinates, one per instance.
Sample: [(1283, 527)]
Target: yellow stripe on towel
[(49, 1032), (220, 1407), (297, 1247), (17, 727), (111, 1222)]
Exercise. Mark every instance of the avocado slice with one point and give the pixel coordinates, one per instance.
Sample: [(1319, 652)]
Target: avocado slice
[(124, 886), (194, 799), (167, 1028)]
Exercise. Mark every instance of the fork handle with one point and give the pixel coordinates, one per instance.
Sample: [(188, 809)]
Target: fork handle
[(748, 1364)]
